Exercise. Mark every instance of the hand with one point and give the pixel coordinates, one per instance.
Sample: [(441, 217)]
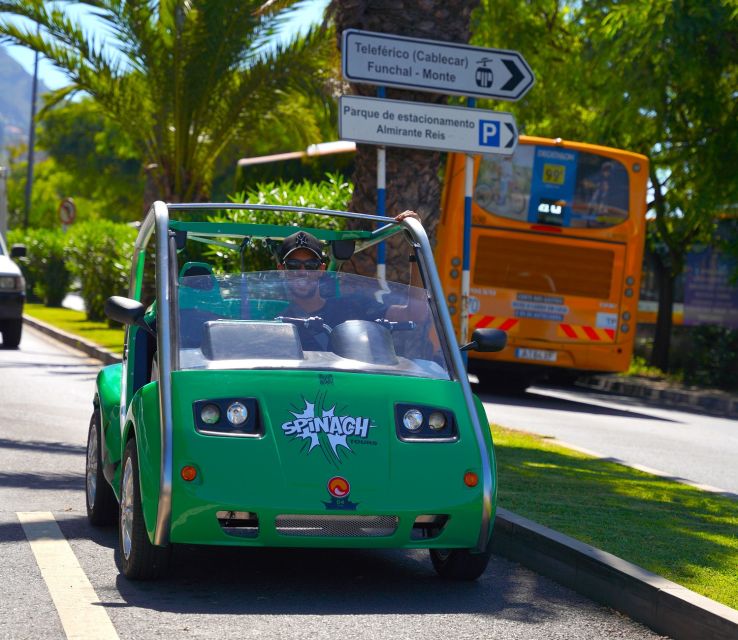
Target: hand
[(407, 214)]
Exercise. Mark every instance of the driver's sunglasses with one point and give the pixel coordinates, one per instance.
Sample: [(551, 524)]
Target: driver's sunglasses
[(293, 264)]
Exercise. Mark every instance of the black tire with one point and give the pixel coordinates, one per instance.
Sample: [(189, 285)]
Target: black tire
[(459, 564), (12, 331), (138, 559), (102, 507)]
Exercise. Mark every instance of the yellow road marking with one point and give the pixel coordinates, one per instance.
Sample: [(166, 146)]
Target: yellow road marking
[(80, 610)]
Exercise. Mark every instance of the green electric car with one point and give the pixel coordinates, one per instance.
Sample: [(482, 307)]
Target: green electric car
[(268, 403)]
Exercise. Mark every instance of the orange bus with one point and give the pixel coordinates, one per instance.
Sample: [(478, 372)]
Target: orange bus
[(557, 237)]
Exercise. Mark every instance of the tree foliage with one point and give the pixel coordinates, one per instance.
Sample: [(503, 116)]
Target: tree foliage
[(188, 79), (653, 76), (97, 159)]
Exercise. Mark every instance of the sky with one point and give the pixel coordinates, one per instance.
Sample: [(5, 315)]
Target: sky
[(303, 18)]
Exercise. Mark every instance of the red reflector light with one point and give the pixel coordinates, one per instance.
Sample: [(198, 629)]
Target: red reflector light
[(471, 479), (546, 228), (188, 473)]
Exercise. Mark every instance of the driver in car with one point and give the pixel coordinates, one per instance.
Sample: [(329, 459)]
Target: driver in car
[(301, 254)]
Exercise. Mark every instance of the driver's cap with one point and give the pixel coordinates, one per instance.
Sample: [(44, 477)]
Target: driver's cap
[(300, 240)]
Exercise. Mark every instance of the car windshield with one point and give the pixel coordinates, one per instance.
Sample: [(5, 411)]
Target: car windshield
[(306, 319)]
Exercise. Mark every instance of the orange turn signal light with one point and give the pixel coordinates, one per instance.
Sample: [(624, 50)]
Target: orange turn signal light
[(471, 479), (188, 473)]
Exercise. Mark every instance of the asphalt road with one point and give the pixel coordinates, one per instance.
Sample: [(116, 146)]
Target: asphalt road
[(699, 448), (45, 403)]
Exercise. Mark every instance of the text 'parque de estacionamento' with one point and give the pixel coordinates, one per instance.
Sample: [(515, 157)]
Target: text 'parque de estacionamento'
[(408, 119)]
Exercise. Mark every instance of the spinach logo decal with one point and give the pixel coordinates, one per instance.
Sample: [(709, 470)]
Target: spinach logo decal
[(323, 429)]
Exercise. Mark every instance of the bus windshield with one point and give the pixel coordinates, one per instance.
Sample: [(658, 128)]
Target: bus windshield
[(553, 186)]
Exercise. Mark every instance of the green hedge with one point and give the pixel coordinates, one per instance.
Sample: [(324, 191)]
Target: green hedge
[(712, 359), (44, 267), (96, 254), (334, 192)]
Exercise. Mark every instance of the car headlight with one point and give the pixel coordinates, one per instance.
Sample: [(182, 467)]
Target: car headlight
[(422, 423), (12, 283), (237, 413), (210, 414), (436, 421), (227, 417), (412, 420)]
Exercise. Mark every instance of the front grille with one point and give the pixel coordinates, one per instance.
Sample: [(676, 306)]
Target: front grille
[(336, 526), (543, 267)]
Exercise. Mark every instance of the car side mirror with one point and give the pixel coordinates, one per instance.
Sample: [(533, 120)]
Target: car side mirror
[(486, 340), (126, 311), (18, 251)]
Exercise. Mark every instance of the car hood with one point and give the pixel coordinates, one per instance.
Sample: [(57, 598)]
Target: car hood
[(8, 267)]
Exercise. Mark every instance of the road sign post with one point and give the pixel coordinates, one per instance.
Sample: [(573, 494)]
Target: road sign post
[(390, 60), (439, 67)]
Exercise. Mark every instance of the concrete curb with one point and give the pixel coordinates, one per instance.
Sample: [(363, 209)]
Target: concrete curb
[(85, 346), (717, 403), (664, 606)]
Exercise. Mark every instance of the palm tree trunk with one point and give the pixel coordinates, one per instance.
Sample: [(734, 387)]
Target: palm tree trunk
[(412, 176)]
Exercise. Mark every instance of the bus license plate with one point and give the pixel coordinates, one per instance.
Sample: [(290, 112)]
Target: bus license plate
[(535, 354)]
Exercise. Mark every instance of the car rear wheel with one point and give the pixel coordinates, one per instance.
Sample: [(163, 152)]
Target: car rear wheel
[(102, 506), (460, 564), (11, 330), (138, 559)]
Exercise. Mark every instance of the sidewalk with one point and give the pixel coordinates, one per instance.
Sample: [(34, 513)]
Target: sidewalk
[(665, 394)]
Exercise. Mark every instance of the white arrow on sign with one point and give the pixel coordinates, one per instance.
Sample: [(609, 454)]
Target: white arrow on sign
[(397, 123), (429, 65)]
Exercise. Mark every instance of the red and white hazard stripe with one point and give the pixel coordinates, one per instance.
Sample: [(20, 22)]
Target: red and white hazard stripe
[(586, 333)]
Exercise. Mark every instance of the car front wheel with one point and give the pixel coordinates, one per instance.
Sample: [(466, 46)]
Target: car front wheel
[(101, 503), (11, 330), (460, 564), (138, 558)]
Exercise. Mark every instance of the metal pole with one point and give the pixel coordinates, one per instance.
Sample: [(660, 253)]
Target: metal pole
[(382, 205), (31, 142), (466, 254), (4, 202)]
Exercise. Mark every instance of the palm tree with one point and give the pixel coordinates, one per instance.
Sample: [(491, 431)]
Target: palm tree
[(413, 180), (188, 79)]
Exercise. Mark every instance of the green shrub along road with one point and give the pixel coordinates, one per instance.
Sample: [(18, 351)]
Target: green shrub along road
[(679, 532)]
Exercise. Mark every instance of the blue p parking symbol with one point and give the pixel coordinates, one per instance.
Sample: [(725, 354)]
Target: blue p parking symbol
[(489, 133)]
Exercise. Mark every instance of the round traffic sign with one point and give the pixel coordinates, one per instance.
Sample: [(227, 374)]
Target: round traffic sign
[(67, 211)]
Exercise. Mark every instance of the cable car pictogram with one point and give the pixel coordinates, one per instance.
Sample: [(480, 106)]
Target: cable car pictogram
[(484, 77)]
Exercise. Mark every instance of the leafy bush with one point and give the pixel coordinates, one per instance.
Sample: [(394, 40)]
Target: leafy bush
[(44, 267), (99, 255), (332, 193), (713, 359)]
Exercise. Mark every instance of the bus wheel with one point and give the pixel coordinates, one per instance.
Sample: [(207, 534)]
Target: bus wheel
[(507, 384), (460, 564), (138, 559)]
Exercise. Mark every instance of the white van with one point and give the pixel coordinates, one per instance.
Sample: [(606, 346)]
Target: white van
[(12, 295)]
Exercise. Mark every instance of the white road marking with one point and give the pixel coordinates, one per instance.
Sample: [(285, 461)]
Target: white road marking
[(80, 610), (639, 467)]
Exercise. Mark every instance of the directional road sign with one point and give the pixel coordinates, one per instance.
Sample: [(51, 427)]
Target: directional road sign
[(429, 65), (397, 123)]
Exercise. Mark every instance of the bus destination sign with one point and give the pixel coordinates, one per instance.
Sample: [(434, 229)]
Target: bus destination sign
[(430, 65), (397, 123)]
